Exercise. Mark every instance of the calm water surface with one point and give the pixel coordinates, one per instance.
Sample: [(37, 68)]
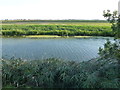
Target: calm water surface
[(77, 49)]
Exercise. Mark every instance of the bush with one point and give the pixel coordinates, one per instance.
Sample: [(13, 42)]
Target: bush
[(55, 73), (110, 50)]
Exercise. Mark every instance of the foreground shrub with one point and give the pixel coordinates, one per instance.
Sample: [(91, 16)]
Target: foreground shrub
[(57, 73), (110, 50)]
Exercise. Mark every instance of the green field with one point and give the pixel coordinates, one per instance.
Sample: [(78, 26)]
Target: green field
[(60, 28), (57, 22)]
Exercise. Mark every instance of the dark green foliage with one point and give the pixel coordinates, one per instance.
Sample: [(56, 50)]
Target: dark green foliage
[(61, 30), (110, 50), (55, 73), (114, 19)]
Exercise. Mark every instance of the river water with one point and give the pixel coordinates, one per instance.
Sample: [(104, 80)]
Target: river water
[(76, 49)]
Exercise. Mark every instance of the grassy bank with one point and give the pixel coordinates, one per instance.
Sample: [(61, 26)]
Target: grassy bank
[(60, 30), (54, 36), (55, 73), (44, 36)]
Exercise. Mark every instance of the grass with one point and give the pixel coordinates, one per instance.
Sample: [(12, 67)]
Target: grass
[(42, 36), (60, 30), (54, 36), (82, 36), (56, 27), (56, 23)]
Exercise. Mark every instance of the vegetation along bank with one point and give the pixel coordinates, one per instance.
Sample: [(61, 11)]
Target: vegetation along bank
[(60, 30)]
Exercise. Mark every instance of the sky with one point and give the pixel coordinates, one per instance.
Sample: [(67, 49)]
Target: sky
[(55, 9)]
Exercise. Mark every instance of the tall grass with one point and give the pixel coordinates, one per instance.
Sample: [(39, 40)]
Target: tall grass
[(61, 30), (55, 73)]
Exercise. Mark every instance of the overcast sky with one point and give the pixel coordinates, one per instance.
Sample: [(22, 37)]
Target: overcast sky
[(55, 9)]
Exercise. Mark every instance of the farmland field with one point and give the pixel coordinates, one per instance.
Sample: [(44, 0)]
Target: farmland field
[(65, 28)]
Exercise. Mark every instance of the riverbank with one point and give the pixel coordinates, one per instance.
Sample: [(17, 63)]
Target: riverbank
[(54, 36), (60, 30), (45, 36)]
